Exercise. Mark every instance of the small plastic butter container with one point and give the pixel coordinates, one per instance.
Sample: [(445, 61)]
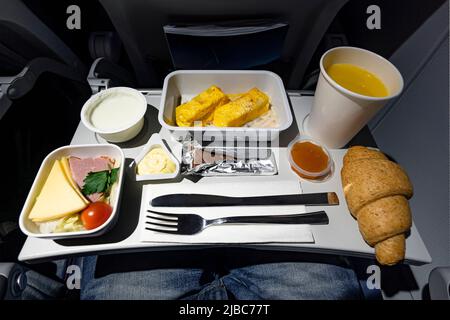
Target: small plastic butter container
[(156, 141)]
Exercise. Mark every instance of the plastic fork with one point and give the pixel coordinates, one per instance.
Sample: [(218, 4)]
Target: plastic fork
[(189, 224)]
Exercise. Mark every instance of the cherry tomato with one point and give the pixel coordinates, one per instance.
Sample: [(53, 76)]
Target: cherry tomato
[(95, 215)]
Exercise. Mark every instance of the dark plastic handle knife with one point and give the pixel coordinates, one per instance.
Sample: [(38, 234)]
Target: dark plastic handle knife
[(206, 200)]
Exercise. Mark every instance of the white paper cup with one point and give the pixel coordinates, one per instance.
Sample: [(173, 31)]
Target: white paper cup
[(339, 114)]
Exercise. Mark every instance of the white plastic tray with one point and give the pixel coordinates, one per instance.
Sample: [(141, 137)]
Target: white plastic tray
[(340, 237), (180, 86), (81, 151)]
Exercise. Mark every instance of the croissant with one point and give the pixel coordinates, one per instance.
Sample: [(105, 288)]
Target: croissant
[(377, 192)]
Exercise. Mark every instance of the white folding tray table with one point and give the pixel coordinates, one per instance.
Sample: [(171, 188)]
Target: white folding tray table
[(340, 237)]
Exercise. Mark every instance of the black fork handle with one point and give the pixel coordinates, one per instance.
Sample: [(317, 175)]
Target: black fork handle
[(318, 218)]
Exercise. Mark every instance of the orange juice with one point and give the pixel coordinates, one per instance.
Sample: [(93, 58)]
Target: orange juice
[(357, 79)]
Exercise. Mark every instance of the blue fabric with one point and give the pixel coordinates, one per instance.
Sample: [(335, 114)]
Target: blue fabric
[(278, 280)]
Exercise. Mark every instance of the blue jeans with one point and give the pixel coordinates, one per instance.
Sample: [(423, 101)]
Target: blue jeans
[(245, 281)]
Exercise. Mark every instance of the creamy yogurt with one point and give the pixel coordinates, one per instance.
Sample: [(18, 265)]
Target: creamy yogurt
[(116, 111)]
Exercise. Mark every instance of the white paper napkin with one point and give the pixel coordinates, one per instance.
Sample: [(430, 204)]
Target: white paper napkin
[(252, 233)]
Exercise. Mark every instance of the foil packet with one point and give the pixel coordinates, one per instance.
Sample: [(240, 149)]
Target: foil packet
[(213, 161)]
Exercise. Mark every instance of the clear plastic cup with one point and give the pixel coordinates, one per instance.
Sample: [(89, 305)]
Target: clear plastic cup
[(312, 176)]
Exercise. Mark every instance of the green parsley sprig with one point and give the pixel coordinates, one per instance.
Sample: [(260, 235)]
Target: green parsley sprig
[(100, 182)]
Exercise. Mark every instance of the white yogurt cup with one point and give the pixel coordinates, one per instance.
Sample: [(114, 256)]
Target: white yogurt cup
[(116, 114), (339, 114)]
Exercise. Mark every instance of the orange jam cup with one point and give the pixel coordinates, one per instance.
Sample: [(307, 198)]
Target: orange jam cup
[(310, 160)]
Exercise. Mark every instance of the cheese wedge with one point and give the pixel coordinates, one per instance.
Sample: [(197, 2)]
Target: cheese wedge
[(66, 168), (57, 198)]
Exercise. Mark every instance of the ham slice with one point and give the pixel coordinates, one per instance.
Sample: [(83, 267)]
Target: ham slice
[(80, 168)]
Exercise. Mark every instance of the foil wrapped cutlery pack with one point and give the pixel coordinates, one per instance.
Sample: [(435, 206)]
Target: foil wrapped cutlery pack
[(221, 161)]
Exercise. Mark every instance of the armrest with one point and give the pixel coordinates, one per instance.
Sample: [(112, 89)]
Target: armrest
[(439, 283), (13, 280), (25, 80), (5, 271), (13, 88), (104, 74), (18, 282)]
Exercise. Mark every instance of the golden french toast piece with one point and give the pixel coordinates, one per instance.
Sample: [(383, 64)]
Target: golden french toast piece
[(234, 96), (237, 113), (208, 119), (200, 108)]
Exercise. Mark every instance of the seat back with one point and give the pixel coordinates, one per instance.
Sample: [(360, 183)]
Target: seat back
[(44, 113), (23, 37), (140, 26)]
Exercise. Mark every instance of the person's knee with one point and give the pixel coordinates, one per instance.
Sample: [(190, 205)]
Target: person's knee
[(165, 284), (294, 281)]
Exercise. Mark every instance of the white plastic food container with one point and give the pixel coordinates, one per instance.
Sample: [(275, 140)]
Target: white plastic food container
[(181, 86), (82, 151), (154, 142), (120, 128)]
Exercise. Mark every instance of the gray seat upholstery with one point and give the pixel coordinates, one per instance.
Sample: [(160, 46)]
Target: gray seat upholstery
[(439, 283), (140, 26)]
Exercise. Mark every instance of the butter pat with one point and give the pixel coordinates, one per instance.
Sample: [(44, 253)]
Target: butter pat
[(156, 161), (57, 198)]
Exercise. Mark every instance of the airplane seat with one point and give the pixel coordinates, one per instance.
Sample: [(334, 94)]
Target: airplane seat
[(42, 89), (439, 283), (105, 72), (140, 26), (28, 49)]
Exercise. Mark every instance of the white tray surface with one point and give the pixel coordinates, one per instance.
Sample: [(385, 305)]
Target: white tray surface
[(341, 236)]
